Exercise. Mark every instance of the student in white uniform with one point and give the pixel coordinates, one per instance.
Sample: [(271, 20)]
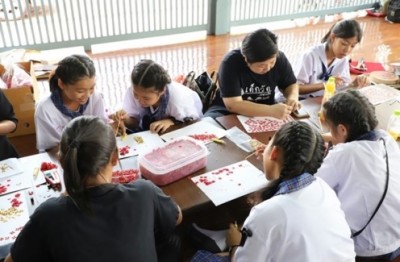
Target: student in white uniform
[(299, 218), (72, 87), (154, 102), (330, 58), (361, 162)]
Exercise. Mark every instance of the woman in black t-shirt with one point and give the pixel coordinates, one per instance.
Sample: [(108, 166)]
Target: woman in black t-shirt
[(248, 77)]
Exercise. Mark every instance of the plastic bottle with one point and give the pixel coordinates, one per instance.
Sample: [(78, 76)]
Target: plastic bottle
[(393, 127), (330, 88)]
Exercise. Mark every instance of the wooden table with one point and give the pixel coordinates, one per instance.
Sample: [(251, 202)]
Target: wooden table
[(187, 195)]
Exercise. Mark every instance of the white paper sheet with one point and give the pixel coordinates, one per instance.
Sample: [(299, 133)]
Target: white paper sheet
[(14, 183), (12, 219), (261, 124), (150, 141), (378, 94), (202, 131), (10, 167), (230, 182)]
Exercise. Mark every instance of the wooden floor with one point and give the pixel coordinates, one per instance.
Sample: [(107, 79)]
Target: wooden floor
[(380, 43)]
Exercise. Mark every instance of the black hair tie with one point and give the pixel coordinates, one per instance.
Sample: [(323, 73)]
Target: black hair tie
[(74, 144)]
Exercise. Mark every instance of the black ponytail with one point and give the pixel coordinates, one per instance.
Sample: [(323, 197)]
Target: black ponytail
[(345, 29), (86, 146), (302, 150), (70, 70), (353, 110)]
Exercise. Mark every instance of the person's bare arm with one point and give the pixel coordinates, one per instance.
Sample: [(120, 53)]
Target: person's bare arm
[(310, 88), (7, 126), (239, 106), (291, 94)]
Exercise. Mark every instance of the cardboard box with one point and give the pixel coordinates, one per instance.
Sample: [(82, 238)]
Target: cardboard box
[(23, 100)]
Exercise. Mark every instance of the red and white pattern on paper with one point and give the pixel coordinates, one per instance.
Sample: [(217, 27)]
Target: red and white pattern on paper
[(230, 182), (125, 176), (13, 216), (379, 94), (262, 124), (205, 138)]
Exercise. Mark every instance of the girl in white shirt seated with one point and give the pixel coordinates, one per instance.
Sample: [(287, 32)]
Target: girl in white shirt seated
[(154, 102), (299, 218), (72, 87), (363, 168), (330, 58)]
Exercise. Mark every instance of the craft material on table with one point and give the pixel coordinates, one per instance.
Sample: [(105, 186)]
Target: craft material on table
[(138, 143), (230, 182), (242, 140), (261, 124), (202, 131), (10, 167), (35, 165), (14, 183), (378, 94), (175, 160), (13, 216), (125, 176)]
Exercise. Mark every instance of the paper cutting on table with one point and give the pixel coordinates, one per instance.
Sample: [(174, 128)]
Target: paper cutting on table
[(138, 143), (13, 216), (14, 183), (230, 182), (10, 167), (202, 131), (35, 165), (261, 124), (378, 94)]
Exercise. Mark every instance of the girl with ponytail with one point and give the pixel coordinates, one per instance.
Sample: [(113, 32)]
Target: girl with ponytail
[(299, 217), (72, 87), (97, 220), (330, 58)]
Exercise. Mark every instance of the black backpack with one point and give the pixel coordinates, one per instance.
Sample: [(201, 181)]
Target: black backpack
[(393, 12), (204, 85)]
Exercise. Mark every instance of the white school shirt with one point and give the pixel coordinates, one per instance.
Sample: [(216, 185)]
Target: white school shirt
[(305, 225), (50, 122), (308, 68), (357, 173), (183, 103)]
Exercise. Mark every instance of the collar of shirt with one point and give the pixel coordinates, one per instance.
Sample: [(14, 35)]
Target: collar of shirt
[(294, 184)]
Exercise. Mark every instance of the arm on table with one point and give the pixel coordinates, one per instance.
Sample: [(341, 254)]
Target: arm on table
[(310, 88), (291, 94), (239, 106)]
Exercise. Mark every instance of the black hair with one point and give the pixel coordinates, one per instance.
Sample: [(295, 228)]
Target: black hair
[(302, 150), (86, 146), (353, 110), (148, 74), (259, 46), (345, 29), (72, 69)]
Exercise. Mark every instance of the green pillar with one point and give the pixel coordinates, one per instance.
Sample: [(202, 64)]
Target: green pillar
[(219, 17)]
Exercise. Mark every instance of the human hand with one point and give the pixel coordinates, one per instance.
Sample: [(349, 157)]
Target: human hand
[(339, 81), (161, 125), (361, 81), (233, 235), (294, 103), (260, 150), (118, 124), (281, 111)]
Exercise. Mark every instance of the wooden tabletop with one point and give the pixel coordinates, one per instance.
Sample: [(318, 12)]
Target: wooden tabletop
[(187, 194)]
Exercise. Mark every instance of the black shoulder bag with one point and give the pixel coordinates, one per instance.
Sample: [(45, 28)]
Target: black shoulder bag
[(383, 196)]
